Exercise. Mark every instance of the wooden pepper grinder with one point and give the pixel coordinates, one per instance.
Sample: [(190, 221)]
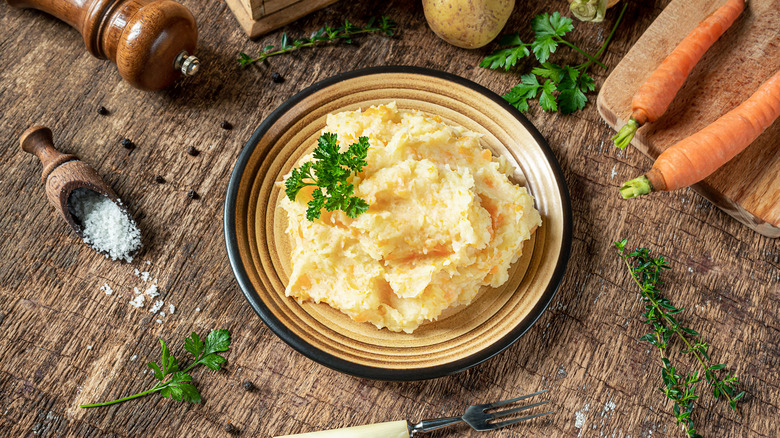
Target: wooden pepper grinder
[(64, 173), (151, 41)]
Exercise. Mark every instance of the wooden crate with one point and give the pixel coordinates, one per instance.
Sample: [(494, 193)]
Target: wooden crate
[(257, 17)]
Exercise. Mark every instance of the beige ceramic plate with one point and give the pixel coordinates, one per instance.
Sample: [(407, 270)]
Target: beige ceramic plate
[(258, 247)]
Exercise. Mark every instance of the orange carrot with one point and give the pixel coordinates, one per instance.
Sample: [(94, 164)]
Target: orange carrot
[(654, 96), (696, 157)]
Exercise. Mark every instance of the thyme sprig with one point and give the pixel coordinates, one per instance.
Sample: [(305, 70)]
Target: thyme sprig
[(324, 35), (660, 314)]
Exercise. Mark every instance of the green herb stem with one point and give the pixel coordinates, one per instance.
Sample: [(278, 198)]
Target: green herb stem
[(590, 58), (123, 399), (609, 37), (645, 271), (324, 35)]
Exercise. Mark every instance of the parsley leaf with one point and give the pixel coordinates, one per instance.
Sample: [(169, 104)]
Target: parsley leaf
[(519, 94), (508, 57), (565, 86), (173, 382), (549, 30), (329, 173), (547, 99)]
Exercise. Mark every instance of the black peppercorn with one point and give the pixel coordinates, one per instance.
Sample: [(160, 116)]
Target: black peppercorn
[(102, 111), (192, 151), (248, 386), (276, 77), (226, 125), (159, 179), (229, 428), (127, 143), (192, 194)]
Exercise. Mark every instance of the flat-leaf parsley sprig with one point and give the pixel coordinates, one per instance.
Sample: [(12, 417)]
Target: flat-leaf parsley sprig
[(329, 172), (562, 87), (324, 35), (660, 314), (174, 382)]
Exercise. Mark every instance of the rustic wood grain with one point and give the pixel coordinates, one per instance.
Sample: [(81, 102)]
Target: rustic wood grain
[(584, 348), (748, 186)]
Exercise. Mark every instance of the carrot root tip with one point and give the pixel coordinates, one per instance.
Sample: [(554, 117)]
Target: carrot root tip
[(636, 187), (626, 134)]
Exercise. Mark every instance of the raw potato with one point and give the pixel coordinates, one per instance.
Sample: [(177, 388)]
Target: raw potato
[(467, 23)]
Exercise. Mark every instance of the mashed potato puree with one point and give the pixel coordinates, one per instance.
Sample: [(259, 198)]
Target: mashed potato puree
[(444, 220)]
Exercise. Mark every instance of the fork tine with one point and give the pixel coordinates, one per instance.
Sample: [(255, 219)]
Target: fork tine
[(513, 410), (517, 420), (511, 400)]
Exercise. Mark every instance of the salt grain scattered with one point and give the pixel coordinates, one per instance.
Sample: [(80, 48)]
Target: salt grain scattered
[(89, 347), (197, 309), (137, 272), (138, 301), (159, 321), (171, 309), (157, 306), (162, 313), (136, 290), (152, 291), (135, 356), (148, 262), (145, 276), (107, 289)]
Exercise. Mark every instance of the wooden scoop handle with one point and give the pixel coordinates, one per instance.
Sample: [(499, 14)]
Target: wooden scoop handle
[(39, 141)]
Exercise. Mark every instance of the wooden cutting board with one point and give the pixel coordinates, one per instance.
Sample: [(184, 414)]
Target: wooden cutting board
[(748, 187)]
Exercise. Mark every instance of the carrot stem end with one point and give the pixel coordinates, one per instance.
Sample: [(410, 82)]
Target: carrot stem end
[(626, 134), (636, 187)]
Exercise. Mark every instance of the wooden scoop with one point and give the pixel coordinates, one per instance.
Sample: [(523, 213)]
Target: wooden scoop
[(64, 173)]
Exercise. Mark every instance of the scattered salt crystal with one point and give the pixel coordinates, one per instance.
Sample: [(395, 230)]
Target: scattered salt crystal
[(581, 416), (135, 356), (137, 272), (107, 289), (89, 347), (152, 291), (162, 313), (157, 306), (104, 225), (159, 321), (136, 290), (148, 262), (145, 276), (197, 309), (171, 309), (138, 301)]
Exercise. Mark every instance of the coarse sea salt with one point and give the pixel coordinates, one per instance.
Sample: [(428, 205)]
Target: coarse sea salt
[(104, 225), (157, 306), (138, 301), (171, 309), (152, 291), (107, 289)]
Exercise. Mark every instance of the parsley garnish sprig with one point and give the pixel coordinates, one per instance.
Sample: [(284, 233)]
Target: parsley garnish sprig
[(172, 381), (562, 87), (660, 314), (329, 172), (325, 34)]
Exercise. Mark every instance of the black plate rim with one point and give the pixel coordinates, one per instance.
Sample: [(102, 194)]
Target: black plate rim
[(377, 373)]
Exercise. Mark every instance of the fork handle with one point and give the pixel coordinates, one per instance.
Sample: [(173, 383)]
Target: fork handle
[(392, 429), (429, 425)]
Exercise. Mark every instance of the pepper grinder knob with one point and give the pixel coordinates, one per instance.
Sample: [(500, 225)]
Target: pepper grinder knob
[(151, 41)]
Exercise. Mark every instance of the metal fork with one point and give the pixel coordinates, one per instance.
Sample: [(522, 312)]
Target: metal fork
[(475, 416), (479, 419)]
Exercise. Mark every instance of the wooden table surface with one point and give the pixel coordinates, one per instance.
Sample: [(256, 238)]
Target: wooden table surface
[(64, 342)]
